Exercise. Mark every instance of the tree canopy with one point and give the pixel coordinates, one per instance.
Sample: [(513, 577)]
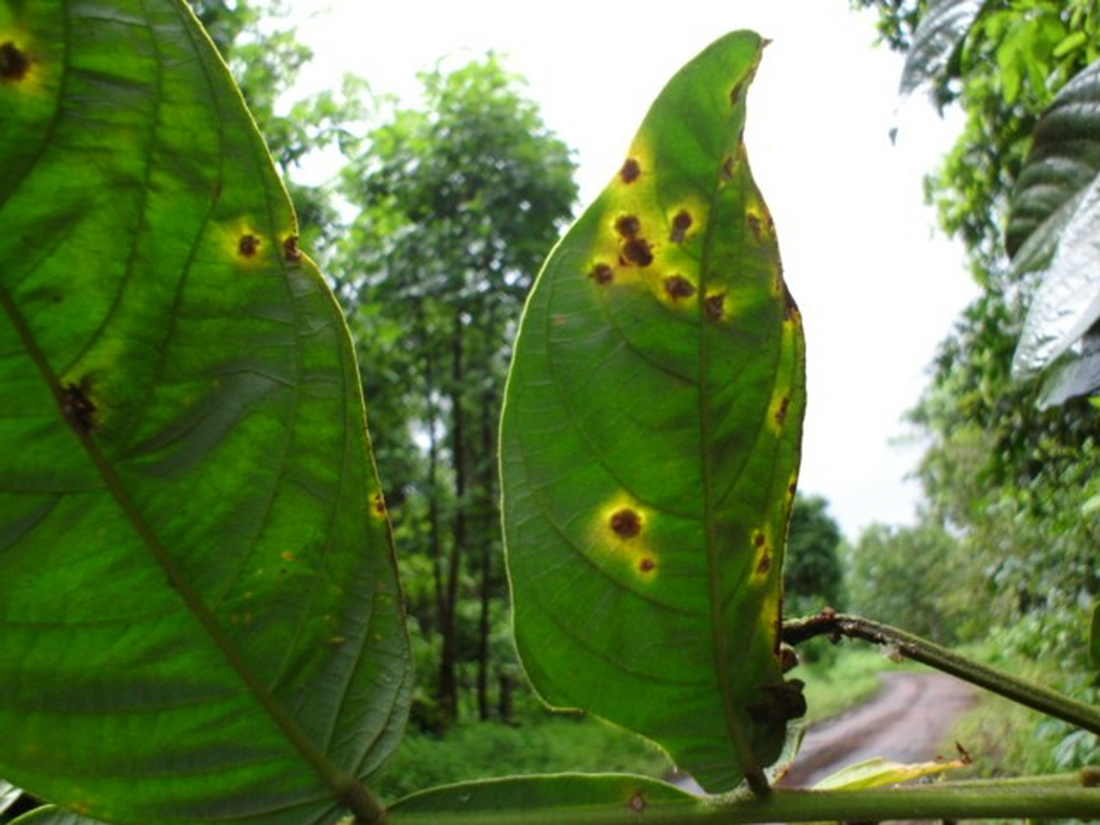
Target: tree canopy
[(458, 202)]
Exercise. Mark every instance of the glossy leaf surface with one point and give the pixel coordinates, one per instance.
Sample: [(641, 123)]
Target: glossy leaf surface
[(53, 815), (941, 31), (199, 614), (650, 442), (8, 794), (550, 799), (1052, 230)]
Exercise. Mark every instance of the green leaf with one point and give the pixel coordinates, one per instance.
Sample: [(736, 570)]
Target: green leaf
[(199, 613), (8, 794), (549, 799), (1055, 212), (1071, 42), (1076, 372), (878, 772), (650, 443), (53, 815), (940, 33), (1094, 638)]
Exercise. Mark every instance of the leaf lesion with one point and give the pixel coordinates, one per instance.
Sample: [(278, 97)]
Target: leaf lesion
[(14, 62)]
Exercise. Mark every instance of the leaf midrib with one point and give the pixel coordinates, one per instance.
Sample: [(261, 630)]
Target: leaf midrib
[(753, 772)]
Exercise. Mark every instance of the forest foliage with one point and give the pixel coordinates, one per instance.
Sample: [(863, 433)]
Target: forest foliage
[(1010, 488)]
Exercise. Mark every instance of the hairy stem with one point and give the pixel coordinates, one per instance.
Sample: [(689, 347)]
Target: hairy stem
[(1068, 796), (913, 647)]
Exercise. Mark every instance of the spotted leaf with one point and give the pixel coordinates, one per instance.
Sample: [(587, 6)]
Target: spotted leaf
[(199, 613), (650, 443)]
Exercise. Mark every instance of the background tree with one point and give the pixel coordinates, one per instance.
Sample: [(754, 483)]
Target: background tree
[(813, 573), (916, 577), (813, 570), (459, 202)]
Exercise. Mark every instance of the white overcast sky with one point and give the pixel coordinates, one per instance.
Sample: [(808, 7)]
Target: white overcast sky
[(877, 288)]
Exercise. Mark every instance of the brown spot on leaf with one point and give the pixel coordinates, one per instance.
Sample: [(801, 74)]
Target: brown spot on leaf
[(735, 93), (630, 171), (755, 226), (601, 274), (681, 223), (789, 306), (647, 565), (625, 523), (780, 702), (715, 305), (77, 408), (781, 413), (248, 245), (378, 505), (637, 802), (637, 251), (13, 62), (677, 287), (764, 564), (627, 226), (727, 168), (290, 249)]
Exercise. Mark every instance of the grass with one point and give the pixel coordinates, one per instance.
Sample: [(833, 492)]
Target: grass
[(540, 744), (546, 743), (1008, 739)]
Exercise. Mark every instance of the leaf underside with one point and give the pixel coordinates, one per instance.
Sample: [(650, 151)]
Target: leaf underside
[(650, 442), (1053, 222), (197, 589), (552, 799), (940, 33)]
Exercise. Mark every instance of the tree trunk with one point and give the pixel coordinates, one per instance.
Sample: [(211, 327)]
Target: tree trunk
[(448, 663), (487, 475)]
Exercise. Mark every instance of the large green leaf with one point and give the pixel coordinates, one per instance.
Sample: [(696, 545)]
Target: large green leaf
[(556, 799), (1063, 161), (942, 29), (8, 794), (650, 442), (1055, 212), (199, 613)]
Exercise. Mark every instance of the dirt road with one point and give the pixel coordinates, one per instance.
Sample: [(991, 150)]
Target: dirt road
[(906, 721)]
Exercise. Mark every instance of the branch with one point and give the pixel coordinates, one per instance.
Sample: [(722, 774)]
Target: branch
[(1064, 796), (913, 647)]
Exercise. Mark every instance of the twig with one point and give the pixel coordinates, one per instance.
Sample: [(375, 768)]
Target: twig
[(1050, 702)]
